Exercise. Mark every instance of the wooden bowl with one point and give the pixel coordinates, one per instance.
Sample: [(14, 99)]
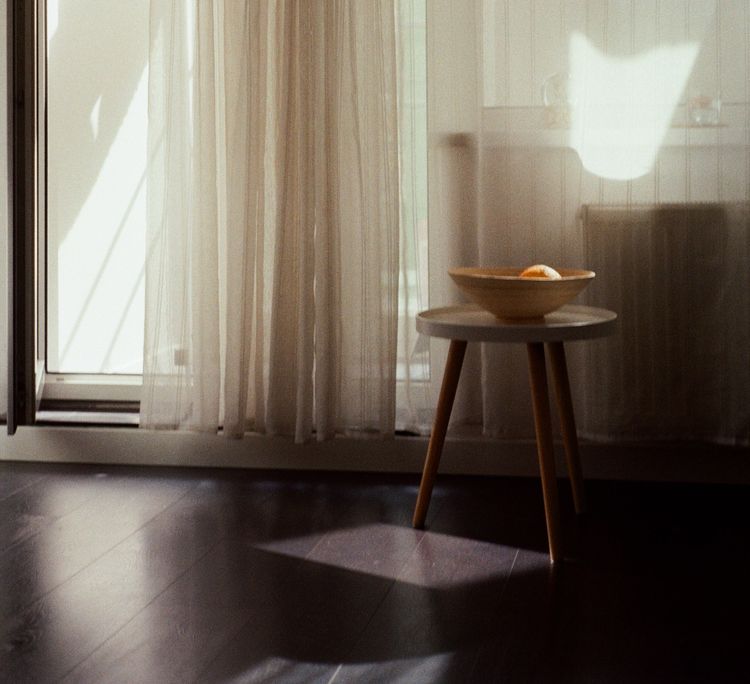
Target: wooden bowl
[(510, 298)]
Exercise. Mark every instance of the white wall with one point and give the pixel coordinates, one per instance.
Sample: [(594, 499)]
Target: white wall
[(525, 41), (468, 456), (531, 180)]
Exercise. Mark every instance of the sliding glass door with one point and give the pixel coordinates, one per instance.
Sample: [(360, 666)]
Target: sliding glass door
[(96, 101), (77, 113)]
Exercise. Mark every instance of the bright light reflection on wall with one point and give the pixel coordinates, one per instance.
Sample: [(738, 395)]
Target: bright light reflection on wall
[(622, 107)]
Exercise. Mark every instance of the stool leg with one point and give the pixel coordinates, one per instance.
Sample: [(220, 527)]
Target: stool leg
[(437, 438), (567, 422), (543, 425)]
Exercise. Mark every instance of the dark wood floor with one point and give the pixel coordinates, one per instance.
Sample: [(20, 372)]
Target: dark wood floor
[(174, 575)]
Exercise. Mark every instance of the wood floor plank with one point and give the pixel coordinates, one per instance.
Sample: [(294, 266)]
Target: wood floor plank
[(17, 476), (28, 510), (261, 603), (162, 575), (71, 542), (523, 629), (374, 548), (76, 617), (441, 606), (505, 511), (316, 614), (370, 537), (448, 667)]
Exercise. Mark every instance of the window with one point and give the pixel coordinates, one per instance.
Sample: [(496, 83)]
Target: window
[(96, 163), (93, 89), (96, 95)]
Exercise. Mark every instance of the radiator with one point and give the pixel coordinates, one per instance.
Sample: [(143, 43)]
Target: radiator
[(679, 278)]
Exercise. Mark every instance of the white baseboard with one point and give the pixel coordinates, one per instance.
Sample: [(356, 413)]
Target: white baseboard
[(468, 455)]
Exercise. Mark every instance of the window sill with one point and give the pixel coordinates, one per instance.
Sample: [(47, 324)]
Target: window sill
[(83, 418), (81, 387)]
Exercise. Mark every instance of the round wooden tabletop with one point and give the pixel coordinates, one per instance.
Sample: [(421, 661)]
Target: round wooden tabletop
[(471, 323)]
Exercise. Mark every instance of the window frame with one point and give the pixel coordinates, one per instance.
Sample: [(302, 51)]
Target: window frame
[(97, 390)]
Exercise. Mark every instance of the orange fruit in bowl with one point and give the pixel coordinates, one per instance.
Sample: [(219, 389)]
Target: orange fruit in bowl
[(540, 271)]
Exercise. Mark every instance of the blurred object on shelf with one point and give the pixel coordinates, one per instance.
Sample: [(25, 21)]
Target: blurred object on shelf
[(704, 110), (556, 97)]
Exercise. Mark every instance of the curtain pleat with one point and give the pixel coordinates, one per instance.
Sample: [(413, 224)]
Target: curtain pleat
[(166, 400), (272, 277)]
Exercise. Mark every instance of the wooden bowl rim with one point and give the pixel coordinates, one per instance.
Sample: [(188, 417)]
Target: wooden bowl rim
[(511, 273)]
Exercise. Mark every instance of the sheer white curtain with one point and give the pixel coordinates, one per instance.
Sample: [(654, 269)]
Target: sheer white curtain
[(288, 211), (612, 135), (273, 263)]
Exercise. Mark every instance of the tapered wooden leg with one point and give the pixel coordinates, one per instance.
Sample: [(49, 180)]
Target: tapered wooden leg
[(567, 422), (437, 438), (543, 425)]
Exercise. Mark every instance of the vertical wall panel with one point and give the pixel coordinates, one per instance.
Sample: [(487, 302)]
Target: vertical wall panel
[(550, 53), (574, 21), (520, 68), (618, 27), (534, 185), (702, 29), (672, 17), (644, 28), (732, 50)]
